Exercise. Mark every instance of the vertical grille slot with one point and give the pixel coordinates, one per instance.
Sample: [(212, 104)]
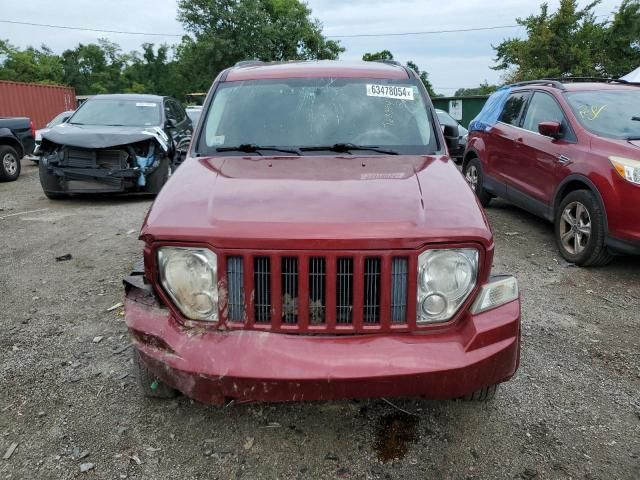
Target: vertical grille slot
[(317, 279), (399, 271), (262, 288), (371, 303), (289, 278), (344, 291), (235, 302)]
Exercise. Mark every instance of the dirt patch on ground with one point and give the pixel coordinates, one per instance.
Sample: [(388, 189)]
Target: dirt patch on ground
[(71, 402)]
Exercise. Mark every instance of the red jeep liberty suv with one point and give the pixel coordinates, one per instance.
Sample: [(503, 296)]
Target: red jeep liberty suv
[(568, 152), (319, 243)]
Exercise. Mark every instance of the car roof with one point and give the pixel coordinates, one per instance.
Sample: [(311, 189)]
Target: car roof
[(128, 96), (571, 87), (577, 86), (316, 69)]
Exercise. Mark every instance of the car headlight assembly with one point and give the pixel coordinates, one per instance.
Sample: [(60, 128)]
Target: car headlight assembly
[(190, 277), (627, 168), (445, 279)]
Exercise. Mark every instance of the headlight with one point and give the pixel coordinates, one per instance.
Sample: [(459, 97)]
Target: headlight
[(190, 277), (627, 168), (445, 280)]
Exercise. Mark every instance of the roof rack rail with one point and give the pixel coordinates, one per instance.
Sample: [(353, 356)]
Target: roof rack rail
[(545, 81), (585, 79), (248, 63), (389, 62)]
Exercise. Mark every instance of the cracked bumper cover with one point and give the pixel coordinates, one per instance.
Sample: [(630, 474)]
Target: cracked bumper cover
[(248, 366)]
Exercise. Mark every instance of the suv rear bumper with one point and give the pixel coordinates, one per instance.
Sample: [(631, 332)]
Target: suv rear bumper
[(247, 366)]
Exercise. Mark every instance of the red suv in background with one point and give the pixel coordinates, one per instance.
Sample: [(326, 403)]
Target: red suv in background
[(568, 152)]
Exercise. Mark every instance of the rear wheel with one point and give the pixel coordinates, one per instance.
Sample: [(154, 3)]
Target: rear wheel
[(9, 164), (49, 182), (580, 230), (473, 175)]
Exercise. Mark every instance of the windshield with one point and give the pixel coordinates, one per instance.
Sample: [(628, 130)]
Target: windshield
[(610, 113), (317, 112), (58, 119), (126, 113), (194, 115), (445, 119)]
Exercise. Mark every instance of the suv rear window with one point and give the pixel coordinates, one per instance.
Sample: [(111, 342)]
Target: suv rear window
[(513, 108), (307, 112)]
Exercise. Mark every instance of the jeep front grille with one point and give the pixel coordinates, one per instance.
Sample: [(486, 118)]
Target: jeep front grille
[(332, 292)]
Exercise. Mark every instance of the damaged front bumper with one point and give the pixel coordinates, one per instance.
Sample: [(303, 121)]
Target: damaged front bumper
[(248, 366)]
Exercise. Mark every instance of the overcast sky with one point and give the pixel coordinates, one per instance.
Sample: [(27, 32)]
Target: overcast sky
[(453, 60)]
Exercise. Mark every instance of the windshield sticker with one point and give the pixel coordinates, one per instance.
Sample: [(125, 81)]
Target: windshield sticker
[(217, 140), (146, 104), (591, 113), (390, 91)]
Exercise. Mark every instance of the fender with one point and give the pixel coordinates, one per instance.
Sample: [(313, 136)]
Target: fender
[(7, 137)]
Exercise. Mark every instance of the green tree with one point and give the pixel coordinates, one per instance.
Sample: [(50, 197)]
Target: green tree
[(424, 76), (29, 65), (483, 89), (622, 40), (223, 32), (572, 42), (383, 55), (154, 70), (94, 68)]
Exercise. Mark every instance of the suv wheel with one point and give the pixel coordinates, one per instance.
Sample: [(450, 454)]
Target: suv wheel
[(9, 164), (580, 230), (483, 395), (150, 385), (473, 175)]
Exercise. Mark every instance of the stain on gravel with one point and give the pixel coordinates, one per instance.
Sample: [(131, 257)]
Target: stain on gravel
[(396, 432)]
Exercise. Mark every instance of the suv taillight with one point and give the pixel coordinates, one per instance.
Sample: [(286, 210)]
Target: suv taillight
[(33, 128)]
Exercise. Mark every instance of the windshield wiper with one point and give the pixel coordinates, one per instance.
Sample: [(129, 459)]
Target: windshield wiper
[(347, 148), (635, 119), (637, 137), (253, 148)]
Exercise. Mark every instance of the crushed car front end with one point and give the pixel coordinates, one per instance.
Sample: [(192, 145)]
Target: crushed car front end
[(312, 329), (113, 169)]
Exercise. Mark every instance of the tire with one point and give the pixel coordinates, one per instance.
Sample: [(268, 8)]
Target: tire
[(156, 179), (150, 385), (580, 230), (49, 182), (473, 175), (9, 164), (483, 395)]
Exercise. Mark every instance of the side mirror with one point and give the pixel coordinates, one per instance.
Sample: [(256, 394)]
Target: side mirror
[(171, 123), (451, 135), (550, 129)]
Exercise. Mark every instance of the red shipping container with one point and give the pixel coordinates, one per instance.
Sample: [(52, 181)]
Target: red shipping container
[(39, 102)]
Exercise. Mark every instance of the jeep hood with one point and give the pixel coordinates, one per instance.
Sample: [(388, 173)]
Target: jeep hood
[(317, 202), (100, 136)]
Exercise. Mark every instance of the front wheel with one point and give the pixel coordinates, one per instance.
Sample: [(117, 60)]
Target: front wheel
[(150, 385), (473, 175), (9, 164), (483, 395), (49, 182), (580, 230)]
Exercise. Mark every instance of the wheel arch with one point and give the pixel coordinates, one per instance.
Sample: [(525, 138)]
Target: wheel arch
[(470, 154), (578, 182), (13, 143)]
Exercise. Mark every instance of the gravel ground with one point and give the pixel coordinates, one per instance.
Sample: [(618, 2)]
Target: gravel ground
[(69, 397)]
